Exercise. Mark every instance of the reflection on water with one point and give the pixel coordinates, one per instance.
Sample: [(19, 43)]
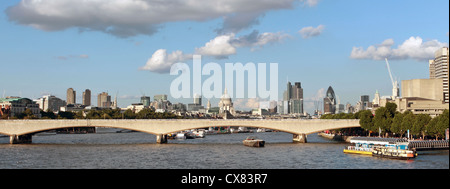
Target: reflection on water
[(139, 150)]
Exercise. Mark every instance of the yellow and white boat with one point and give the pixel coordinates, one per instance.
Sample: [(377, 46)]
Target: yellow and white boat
[(358, 150)]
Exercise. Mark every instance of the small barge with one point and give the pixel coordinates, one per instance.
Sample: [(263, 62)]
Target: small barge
[(253, 142)]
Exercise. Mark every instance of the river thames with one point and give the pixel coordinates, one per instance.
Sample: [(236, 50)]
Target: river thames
[(110, 150)]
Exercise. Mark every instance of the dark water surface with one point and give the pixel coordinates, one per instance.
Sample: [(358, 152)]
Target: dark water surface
[(139, 151)]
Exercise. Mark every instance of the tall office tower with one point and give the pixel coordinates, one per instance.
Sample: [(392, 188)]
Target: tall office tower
[(162, 97), (71, 96), (365, 101), (145, 100), (293, 99), (104, 100), (297, 91), (87, 97), (197, 99), (288, 93), (439, 69), (329, 102)]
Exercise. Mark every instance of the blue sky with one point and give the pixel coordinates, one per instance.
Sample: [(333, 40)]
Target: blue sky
[(48, 46)]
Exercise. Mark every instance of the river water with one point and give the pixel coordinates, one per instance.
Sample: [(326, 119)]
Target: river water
[(110, 150)]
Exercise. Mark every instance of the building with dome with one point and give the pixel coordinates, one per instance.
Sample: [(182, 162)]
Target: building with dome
[(226, 105)]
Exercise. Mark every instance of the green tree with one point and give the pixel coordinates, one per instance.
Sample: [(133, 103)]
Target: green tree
[(396, 126), (420, 123), (145, 114), (48, 114), (129, 114), (27, 114), (392, 108), (408, 120), (382, 119), (66, 115), (432, 129), (442, 123), (366, 120)]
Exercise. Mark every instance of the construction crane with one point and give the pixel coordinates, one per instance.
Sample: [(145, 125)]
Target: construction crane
[(395, 86)]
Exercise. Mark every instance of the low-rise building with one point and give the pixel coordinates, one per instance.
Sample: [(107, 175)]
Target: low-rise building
[(17, 105)]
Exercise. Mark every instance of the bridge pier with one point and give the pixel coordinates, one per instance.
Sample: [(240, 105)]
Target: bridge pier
[(161, 139), (20, 139), (300, 138)]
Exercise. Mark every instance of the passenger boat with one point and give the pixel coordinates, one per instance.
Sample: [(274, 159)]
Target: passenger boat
[(381, 147), (252, 141), (358, 150), (393, 152), (363, 147)]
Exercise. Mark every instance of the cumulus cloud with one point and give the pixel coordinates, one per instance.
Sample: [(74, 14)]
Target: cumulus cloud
[(125, 18), (224, 45), (161, 61), (308, 32), (412, 48), (219, 47), (246, 104)]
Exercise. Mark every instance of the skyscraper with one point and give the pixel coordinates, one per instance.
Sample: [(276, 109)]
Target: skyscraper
[(87, 97), (329, 102), (293, 99), (103, 100), (145, 100), (197, 99), (439, 68), (71, 96)]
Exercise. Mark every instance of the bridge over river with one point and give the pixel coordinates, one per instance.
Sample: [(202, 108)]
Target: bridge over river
[(21, 131)]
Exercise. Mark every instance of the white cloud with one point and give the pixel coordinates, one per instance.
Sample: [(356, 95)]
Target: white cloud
[(161, 62), (219, 47), (308, 32), (310, 3), (224, 45), (125, 18), (246, 104), (255, 39), (313, 101), (412, 48)]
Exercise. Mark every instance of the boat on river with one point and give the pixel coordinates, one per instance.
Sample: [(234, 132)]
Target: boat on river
[(381, 147), (199, 133), (253, 141), (393, 153), (358, 149)]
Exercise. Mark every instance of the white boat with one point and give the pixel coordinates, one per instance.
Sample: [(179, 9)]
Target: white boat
[(261, 130), (180, 136), (199, 133)]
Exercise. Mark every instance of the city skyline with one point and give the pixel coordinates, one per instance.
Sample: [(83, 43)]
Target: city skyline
[(316, 42)]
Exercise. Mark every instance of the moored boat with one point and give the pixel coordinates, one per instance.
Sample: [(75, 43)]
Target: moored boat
[(199, 133), (393, 153), (358, 150), (253, 142)]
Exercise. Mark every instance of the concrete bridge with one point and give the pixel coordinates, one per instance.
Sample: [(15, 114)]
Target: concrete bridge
[(21, 131)]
